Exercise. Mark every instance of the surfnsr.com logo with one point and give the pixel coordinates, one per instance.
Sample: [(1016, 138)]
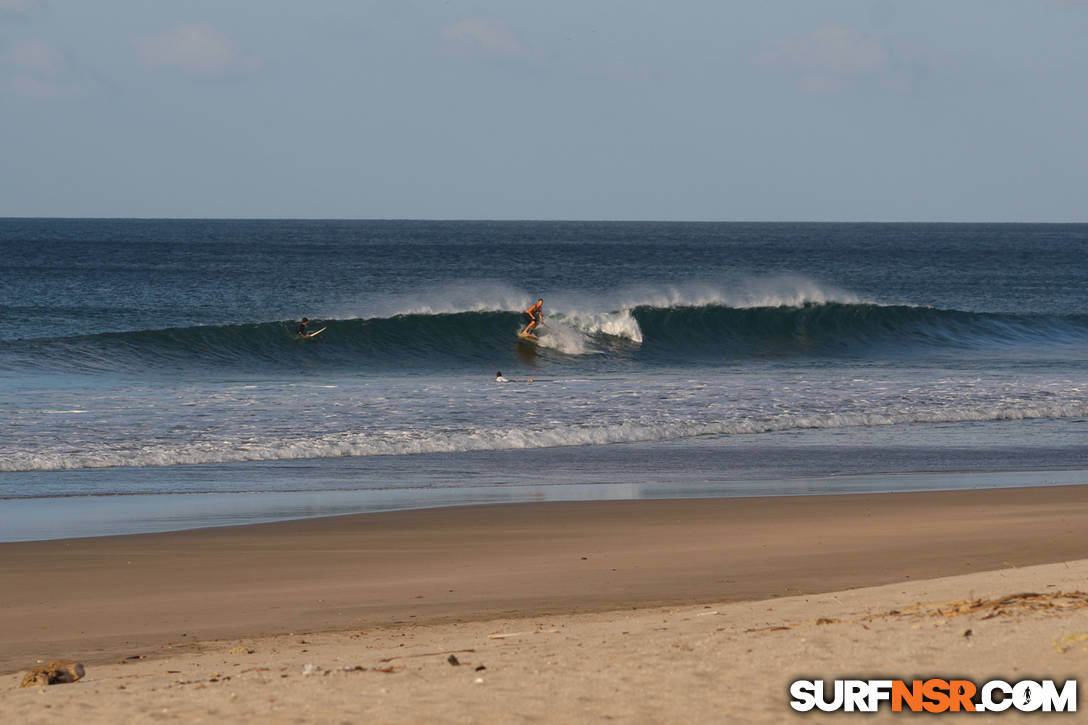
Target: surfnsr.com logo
[(933, 695)]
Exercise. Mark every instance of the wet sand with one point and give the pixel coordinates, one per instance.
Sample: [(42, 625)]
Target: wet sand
[(101, 599)]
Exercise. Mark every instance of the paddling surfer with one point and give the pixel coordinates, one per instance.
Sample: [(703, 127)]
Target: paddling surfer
[(301, 329), (534, 317)]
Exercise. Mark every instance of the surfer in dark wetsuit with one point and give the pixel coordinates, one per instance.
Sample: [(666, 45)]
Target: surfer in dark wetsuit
[(534, 316), (301, 329)]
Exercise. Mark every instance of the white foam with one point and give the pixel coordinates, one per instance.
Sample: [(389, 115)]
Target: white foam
[(575, 318), (611, 313), (621, 324), (564, 338), (401, 442)]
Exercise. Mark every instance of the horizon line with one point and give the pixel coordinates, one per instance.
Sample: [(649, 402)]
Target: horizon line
[(462, 220)]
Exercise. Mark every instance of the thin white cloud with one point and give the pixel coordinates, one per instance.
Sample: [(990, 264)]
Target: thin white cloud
[(196, 50), (482, 36), (827, 59), (39, 71)]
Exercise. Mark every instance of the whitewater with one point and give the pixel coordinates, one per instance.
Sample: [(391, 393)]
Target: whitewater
[(156, 358)]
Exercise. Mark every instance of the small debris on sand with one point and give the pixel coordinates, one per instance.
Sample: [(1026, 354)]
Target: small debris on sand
[(57, 672)]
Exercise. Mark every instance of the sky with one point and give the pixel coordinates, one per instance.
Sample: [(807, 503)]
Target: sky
[(701, 110)]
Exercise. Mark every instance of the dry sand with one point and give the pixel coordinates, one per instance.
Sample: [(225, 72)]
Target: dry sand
[(653, 611)]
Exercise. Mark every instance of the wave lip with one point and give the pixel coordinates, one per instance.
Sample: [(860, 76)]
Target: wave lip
[(643, 333), (850, 329)]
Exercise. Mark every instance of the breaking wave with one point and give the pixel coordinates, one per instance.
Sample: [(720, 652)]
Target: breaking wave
[(642, 333)]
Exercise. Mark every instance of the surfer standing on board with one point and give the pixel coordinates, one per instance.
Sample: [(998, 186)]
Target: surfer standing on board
[(534, 317)]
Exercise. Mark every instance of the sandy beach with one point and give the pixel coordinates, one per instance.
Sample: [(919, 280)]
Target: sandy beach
[(638, 611)]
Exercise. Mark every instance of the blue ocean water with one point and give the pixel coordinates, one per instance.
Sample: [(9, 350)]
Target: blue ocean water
[(149, 371)]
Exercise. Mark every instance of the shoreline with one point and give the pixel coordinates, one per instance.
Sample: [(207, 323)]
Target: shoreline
[(99, 599), (29, 519)]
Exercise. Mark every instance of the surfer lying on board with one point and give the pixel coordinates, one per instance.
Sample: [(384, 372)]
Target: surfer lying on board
[(301, 329), (534, 316)]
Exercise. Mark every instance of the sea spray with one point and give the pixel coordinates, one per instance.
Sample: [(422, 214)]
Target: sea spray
[(651, 334), (669, 348)]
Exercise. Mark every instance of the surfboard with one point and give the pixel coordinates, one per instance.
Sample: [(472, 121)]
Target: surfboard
[(315, 333), (528, 338)]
